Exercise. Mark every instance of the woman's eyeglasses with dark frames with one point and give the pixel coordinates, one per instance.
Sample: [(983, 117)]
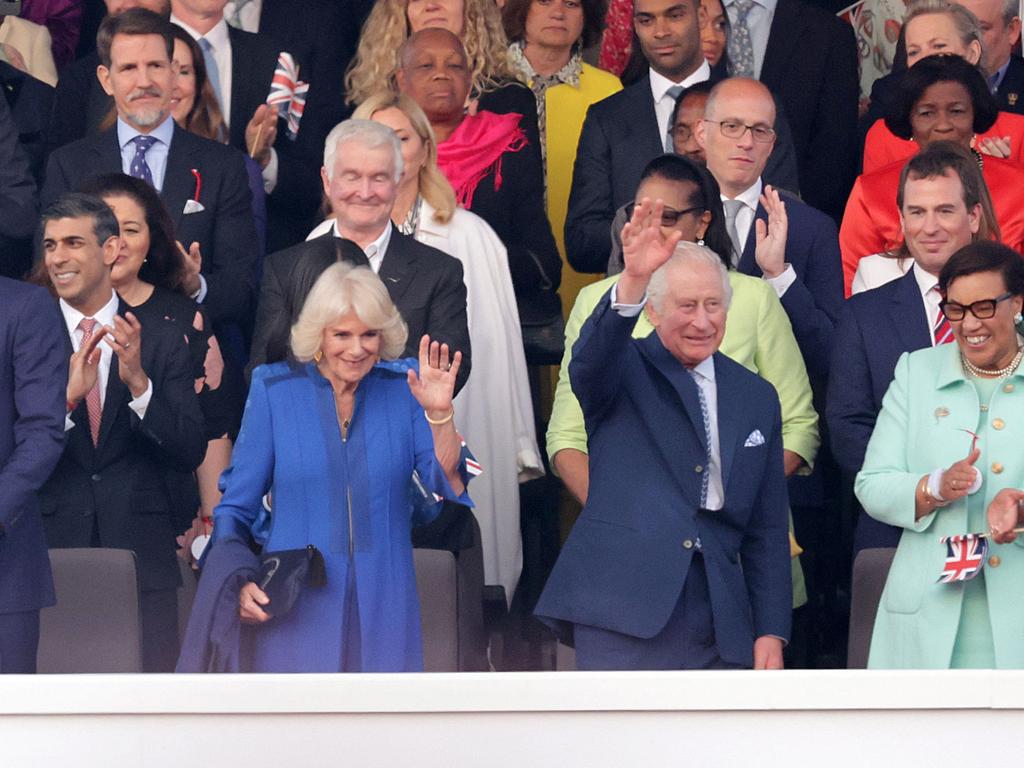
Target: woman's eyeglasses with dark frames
[(982, 309), (669, 216)]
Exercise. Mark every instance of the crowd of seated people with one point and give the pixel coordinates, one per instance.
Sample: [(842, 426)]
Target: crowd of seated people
[(285, 284)]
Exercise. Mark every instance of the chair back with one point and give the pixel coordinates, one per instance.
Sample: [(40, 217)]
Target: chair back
[(437, 584), (186, 595), (96, 625), (870, 570)]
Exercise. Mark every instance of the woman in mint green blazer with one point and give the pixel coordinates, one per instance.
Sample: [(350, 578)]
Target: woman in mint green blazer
[(926, 472)]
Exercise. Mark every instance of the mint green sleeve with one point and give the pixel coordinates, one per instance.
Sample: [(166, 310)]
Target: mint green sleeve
[(566, 428), (884, 486), (779, 361)]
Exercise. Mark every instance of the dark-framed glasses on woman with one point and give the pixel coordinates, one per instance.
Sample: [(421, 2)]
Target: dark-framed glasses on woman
[(983, 309), (669, 216)]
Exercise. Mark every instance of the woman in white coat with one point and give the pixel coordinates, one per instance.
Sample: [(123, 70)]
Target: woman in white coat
[(495, 410)]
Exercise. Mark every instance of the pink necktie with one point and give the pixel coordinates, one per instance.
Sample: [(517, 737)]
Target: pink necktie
[(942, 332), (92, 400)]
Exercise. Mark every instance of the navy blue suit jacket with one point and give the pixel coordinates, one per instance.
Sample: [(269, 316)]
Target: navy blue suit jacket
[(625, 563), (33, 379), (877, 327), (814, 301), (620, 136)]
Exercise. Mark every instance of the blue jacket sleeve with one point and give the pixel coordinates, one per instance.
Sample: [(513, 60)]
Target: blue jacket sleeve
[(850, 410), (598, 358)]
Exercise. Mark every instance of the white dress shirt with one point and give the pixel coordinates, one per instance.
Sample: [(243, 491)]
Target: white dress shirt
[(105, 317), (759, 22), (375, 251), (220, 44), (250, 15), (704, 376), (745, 220), (156, 156), (928, 285), (663, 103)]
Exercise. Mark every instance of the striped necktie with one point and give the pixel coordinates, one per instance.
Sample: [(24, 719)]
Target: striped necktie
[(705, 477), (942, 333), (92, 399)]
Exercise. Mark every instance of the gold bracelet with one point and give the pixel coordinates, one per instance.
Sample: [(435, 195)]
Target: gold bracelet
[(439, 422)]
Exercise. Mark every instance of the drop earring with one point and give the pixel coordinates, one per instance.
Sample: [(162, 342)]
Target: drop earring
[(318, 356), (701, 241), (1018, 319)]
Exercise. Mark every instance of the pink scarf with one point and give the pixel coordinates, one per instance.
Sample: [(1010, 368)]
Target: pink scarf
[(476, 148)]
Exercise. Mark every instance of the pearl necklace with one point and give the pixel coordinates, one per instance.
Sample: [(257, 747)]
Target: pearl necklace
[(1002, 373)]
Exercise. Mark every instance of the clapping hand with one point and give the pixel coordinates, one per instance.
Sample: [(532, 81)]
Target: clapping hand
[(1004, 514), (995, 146), (193, 259), (84, 368), (125, 338), (770, 251), (434, 387), (958, 479)]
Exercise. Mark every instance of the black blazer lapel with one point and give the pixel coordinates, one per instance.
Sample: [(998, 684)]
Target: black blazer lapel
[(116, 395), (786, 30), (179, 180), (107, 153), (748, 264), (908, 315), (398, 269), (640, 103), (728, 424)]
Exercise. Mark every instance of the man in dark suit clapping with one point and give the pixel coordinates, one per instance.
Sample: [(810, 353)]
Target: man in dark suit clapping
[(132, 413), (203, 184)]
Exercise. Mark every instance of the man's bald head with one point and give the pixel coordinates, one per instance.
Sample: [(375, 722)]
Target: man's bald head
[(737, 133), (430, 36)]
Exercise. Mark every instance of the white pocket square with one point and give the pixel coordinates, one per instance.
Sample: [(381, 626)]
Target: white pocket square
[(193, 206), (754, 439)]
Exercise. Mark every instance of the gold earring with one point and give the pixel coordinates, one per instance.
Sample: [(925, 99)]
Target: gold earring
[(318, 356)]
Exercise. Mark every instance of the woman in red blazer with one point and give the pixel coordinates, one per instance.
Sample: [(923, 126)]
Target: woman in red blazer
[(941, 98)]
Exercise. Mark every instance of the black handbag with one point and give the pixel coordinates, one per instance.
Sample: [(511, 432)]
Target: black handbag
[(541, 322), (284, 574)]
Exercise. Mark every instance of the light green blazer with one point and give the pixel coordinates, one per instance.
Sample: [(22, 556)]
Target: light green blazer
[(918, 430), (758, 336)]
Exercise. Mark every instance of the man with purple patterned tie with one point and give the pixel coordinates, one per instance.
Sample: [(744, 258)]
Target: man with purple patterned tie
[(940, 197), (203, 184), (132, 414)]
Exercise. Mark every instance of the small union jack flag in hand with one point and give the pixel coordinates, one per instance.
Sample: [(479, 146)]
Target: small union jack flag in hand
[(288, 93), (965, 555)]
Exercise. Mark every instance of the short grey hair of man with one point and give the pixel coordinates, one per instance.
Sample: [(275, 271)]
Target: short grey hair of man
[(369, 135), (687, 253), (344, 289), (1011, 10), (966, 23)]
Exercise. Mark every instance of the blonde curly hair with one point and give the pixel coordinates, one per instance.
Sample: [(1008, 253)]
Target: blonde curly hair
[(433, 185), (387, 27)]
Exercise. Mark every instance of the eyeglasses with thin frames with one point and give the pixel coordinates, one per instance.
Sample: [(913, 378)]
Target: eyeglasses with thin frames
[(733, 129)]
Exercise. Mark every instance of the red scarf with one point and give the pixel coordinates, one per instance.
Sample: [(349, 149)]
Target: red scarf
[(476, 148)]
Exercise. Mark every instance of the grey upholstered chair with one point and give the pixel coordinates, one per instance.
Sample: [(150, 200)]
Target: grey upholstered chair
[(437, 584), (870, 570)]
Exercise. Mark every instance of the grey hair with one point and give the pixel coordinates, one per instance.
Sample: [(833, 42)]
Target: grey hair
[(344, 289), (369, 134), (966, 23), (687, 253), (1011, 10)]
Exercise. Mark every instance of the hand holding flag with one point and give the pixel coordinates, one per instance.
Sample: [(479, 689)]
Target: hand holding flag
[(288, 93)]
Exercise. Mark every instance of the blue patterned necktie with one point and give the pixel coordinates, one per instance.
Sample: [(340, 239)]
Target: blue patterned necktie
[(673, 93), (139, 167), (212, 73), (705, 476), (741, 50)]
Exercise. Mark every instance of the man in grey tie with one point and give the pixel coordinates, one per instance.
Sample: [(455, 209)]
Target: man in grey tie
[(686, 478), (808, 58), (737, 133)]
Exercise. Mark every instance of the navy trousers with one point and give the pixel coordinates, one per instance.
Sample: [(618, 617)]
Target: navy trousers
[(19, 642), (686, 642)]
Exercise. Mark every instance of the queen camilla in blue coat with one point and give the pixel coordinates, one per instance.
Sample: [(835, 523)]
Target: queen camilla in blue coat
[(336, 438)]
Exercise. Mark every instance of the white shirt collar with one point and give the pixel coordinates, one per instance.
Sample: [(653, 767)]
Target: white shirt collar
[(925, 281), (72, 317), (162, 133), (750, 196), (218, 36), (375, 251), (660, 84), (705, 369)]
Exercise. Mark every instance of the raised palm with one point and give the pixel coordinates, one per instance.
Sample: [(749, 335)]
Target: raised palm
[(644, 246), (434, 387)]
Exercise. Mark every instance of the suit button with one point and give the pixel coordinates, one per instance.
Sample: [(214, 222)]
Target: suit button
[(698, 469), (997, 467), (994, 561), (1008, 388), (97, 478), (688, 544), (998, 423)]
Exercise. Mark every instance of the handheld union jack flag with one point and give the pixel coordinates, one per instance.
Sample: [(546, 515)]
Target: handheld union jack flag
[(288, 93), (965, 555)]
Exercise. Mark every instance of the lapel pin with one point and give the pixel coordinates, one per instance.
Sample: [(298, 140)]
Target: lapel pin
[(941, 413), (1012, 99)]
